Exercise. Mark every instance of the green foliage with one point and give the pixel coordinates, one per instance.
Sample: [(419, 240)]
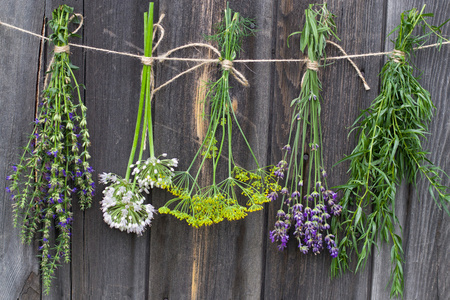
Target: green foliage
[(54, 167), (123, 199), (306, 183), (211, 204), (389, 150)]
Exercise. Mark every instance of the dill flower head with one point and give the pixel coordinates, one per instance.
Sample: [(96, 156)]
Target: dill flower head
[(238, 191)]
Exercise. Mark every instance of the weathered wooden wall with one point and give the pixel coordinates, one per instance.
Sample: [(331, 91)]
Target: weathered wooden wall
[(230, 260)]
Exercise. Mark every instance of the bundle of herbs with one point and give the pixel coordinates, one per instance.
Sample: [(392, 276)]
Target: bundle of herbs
[(211, 204), (123, 202), (307, 203), (389, 149), (54, 167)]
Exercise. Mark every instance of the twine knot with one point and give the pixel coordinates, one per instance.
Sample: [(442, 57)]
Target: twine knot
[(227, 65), (312, 65), (147, 60), (62, 49), (398, 56)]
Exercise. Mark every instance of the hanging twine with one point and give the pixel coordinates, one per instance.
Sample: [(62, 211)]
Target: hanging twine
[(398, 56), (314, 65), (366, 86), (227, 65)]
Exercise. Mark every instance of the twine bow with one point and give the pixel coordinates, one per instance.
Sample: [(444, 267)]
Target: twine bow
[(227, 65)]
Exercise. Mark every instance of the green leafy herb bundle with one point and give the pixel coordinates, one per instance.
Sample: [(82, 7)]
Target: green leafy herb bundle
[(307, 203), (122, 203), (389, 150), (54, 167), (211, 204)]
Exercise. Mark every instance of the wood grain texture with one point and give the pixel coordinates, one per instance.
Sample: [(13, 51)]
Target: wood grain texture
[(224, 261), (62, 283), (289, 274), (230, 260), (19, 65), (110, 264), (427, 234), (425, 227)]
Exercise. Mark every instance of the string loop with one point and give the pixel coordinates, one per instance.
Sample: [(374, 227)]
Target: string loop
[(366, 86), (398, 56), (312, 65), (80, 17), (62, 49), (147, 60), (227, 65)]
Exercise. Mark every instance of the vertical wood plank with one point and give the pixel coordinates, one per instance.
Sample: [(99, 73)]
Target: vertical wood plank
[(425, 228), (230, 260), (290, 274), (225, 260), (19, 65), (109, 264), (62, 283)]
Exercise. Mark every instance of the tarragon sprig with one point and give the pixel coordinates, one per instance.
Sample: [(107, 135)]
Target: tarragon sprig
[(389, 150)]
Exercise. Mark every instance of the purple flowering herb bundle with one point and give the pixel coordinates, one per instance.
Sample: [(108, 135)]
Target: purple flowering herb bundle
[(54, 167), (307, 204), (123, 202), (389, 150)]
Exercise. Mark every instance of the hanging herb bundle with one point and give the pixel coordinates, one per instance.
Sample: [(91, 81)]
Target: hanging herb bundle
[(388, 150), (307, 203), (211, 204), (54, 167), (122, 203)]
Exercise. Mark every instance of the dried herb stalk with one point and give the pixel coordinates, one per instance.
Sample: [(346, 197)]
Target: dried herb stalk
[(123, 202), (389, 149), (211, 204), (54, 167), (307, 203)]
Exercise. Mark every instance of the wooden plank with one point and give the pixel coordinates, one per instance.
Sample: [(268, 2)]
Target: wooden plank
[(230, 260), (62, 283), (107, 263), (425, 227), (223, 261), (290, 274), (19, 64)]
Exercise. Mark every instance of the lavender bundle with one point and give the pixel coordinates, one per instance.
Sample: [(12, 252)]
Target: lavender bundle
[(123, 202), (307, 203), (389, 150), (54, 167)]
